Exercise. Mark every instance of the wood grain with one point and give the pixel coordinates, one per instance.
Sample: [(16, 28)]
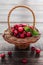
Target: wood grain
[(37, 6)]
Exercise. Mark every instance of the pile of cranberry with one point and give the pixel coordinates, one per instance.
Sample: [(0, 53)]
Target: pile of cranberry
[(21, 30)]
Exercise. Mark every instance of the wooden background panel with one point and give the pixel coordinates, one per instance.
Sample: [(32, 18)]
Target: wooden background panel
[(37, 6), (22, 17), (22, 1)]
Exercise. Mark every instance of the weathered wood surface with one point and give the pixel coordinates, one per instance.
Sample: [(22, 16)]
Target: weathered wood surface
[(20, 14), (18, 17), (18, 55)]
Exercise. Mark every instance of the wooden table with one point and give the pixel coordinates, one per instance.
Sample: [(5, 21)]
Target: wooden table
[(18, 55)]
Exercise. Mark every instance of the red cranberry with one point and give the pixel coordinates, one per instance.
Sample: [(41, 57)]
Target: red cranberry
[(25, 34), (18, 35), (12, 29), (38, 51), (29, 34), (2, 55), (22, 35), (16, 26), (15, 32), (32, 48), (20, 29), (24, 25), (9, 53), (31, 27), (24, 60)]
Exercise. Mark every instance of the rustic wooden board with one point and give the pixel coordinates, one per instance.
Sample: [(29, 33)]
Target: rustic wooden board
[(5, 6), (18, 55)]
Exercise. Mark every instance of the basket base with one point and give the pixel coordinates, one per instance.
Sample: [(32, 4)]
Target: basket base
[(22, 47)]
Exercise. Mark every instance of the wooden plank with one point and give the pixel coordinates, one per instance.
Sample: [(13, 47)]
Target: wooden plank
[(20, 18), (22, 1), (17, 58), (30, 5), (37, 6)]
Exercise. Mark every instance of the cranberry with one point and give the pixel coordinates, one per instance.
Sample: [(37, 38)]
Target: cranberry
[(18, 35), (20, 29), (29, 34), (24, 60), (32, 48), (15, 32), (31, 27), (22, 35), (16, 26), (24, 32), (12, 29), (38, 51), (9, 53), (2, 55), (24, 25)]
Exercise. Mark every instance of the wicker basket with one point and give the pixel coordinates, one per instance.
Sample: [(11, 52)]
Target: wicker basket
[(20, 43)]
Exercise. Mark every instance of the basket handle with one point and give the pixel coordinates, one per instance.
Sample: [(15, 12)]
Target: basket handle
[(19, 7)]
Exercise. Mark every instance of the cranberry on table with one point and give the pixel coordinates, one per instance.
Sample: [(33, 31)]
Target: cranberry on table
[(32, 48), (38, 51), (24, 60), (9, 53), (2, 55)]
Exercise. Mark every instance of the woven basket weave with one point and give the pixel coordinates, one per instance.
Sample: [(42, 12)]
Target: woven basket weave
[(20, 43)]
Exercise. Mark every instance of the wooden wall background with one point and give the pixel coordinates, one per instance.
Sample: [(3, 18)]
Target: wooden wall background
[(20, 16)]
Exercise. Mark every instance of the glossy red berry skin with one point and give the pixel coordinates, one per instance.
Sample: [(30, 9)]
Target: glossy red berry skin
[(16, 26), (9, 53), (22, 35), (15, 32), (31, 27), (20, 29), (24, 25), (2, 55), (24, 60), (32, 48), (12, 29), (38, 51), (29, 34), (25, 33)]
